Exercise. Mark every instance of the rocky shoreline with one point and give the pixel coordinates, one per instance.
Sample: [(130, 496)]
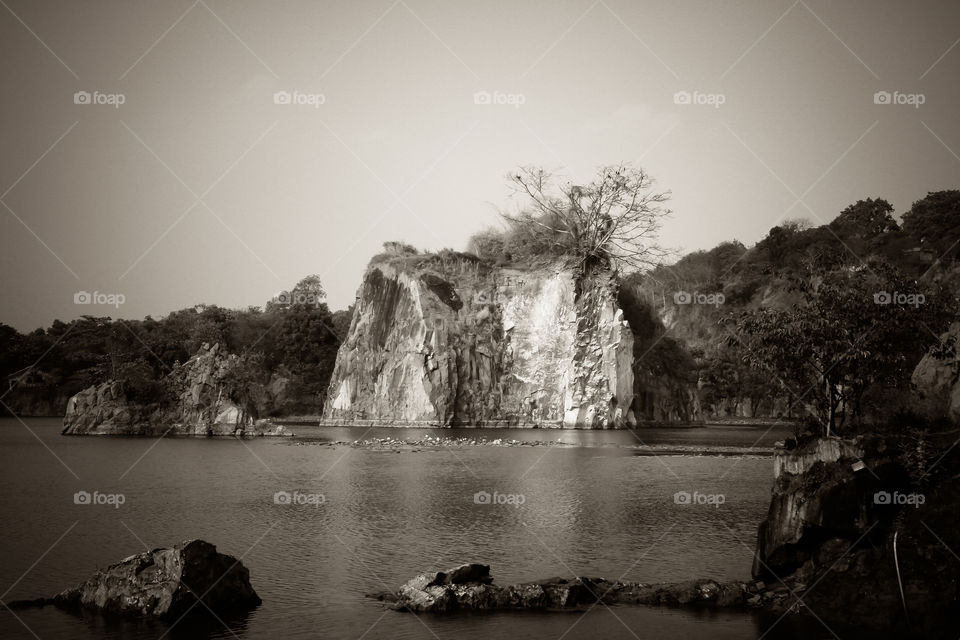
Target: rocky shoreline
[(469, 587)]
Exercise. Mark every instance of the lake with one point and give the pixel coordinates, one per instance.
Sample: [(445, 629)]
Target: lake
[(593, 506)]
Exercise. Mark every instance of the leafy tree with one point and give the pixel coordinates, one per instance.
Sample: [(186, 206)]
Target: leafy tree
[(308, 292), (865, 219), (935, 222), (845, 337)]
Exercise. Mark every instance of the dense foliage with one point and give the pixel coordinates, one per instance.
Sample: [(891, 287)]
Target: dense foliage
[(294, 338), (825, 322)]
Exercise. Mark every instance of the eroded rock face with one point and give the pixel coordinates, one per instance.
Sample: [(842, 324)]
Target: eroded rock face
[(166, 583), (199, 406), (843, 514), (470, 344), (936, 380), (817, 495), (104, 409)]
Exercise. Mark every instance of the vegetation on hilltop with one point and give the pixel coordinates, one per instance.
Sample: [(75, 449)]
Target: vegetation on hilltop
[(822, 322), (293, 341)]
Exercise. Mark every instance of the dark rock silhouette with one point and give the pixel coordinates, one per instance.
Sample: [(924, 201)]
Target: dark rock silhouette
[(191, 577)]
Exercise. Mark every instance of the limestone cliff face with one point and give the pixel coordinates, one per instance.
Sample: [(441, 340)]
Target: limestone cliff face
[(464, 343)]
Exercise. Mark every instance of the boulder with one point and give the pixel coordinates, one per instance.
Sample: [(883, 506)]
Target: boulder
[(166, 583)]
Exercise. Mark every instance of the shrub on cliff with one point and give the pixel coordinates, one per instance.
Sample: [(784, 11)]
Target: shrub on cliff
[(488, 244)]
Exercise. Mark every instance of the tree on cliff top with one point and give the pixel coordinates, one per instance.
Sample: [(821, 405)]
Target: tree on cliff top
[(612, 221)]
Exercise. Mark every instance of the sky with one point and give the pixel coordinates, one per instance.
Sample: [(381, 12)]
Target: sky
[(167, 154)]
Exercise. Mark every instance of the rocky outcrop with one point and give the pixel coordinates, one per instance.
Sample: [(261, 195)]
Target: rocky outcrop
[(817, 494), (191, 577), (198, 405), (849, 533), (455, 341), (936, 378), (104, 409), (470, 587)]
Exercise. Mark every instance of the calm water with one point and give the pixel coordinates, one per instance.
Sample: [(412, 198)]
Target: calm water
[(590, 510)]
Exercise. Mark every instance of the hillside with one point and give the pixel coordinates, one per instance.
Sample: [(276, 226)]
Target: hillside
[(688, 317)]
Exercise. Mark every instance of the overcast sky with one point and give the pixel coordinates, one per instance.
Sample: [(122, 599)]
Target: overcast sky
[(201, 187)]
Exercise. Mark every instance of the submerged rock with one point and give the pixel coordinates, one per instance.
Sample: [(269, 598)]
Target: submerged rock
[(455, 341), (166, 583)]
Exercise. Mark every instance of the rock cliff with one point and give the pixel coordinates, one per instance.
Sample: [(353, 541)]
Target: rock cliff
[(450, 340), (199, 404), (853, 540)]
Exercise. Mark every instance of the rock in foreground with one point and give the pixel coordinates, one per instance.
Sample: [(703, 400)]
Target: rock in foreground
[(470, 587), (166, 583)]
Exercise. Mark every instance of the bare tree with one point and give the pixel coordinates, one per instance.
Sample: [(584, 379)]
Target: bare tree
[(612, 221)]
